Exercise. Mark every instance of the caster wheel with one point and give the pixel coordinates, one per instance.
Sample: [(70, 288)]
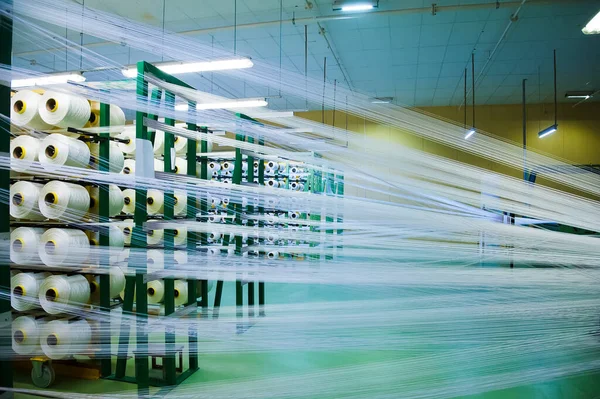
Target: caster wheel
[(44, 378)]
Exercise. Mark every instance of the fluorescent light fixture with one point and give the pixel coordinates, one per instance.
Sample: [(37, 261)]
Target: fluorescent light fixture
[(50, 79), (548, 131), (382, 100), (358, 7), (227, 104), (592, 27), (175, 68), (469, 134), (355, 5), (579, 95)]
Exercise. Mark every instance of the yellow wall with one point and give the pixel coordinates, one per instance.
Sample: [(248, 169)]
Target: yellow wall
[(576, 142)]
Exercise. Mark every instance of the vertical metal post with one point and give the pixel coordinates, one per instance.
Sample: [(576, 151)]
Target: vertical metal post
[(138, 244), (250, 212), (525, 174), (169, 238), (103, 218), (261, 224), (192, 242), (237, 180), (6, 367), (203, 213)]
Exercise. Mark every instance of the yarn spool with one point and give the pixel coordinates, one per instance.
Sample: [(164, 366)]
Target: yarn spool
[(159, 142), (180, 145), (24, 110), (128, 167), (214, 237), (180, 238), (272, 237), (180, 206), (26, 332), (117, 118), (61, 339), (24, 202), (64, 109), (214, 167), (213, 251), (23, 153), (155, 260), (180, 258), (59, 294), (295, 186), (155, 237), (117, 284), (272, 183), (24, 289), (180, 166), (116, 159), (215, 202), (272, 255), (181, 292), (116, 239), (227, 166), (64, 201), (128, 136), (24, 243), (215, 218), (116, 201), (127, 229), (58, 150), (159, 165), (60, 247), (155, 202), (128, 201), (155, 291)]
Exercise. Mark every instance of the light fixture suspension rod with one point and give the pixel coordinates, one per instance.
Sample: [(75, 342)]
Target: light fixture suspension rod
[(473, 79), (324, 84), (555, 93), (524, 131), (465, 97)]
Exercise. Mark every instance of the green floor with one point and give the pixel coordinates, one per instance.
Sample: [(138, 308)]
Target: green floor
[(247, 366)]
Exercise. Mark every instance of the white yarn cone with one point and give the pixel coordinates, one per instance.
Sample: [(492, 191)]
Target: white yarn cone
[(26, 332), (62, 338), (116, 200), (58, 150), (24, 152), (59, 200), (60, 294), (64, 110), (64, 247), (24, 110), (24, 200), (24, 243), (25, 290)]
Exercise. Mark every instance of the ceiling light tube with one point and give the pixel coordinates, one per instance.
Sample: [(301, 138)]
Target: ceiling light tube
[(175, 68), (579, 95), (592, 27), (469, 134), (46, 80), (227, 104), (548, 131), (382, 100), (355, 5)]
